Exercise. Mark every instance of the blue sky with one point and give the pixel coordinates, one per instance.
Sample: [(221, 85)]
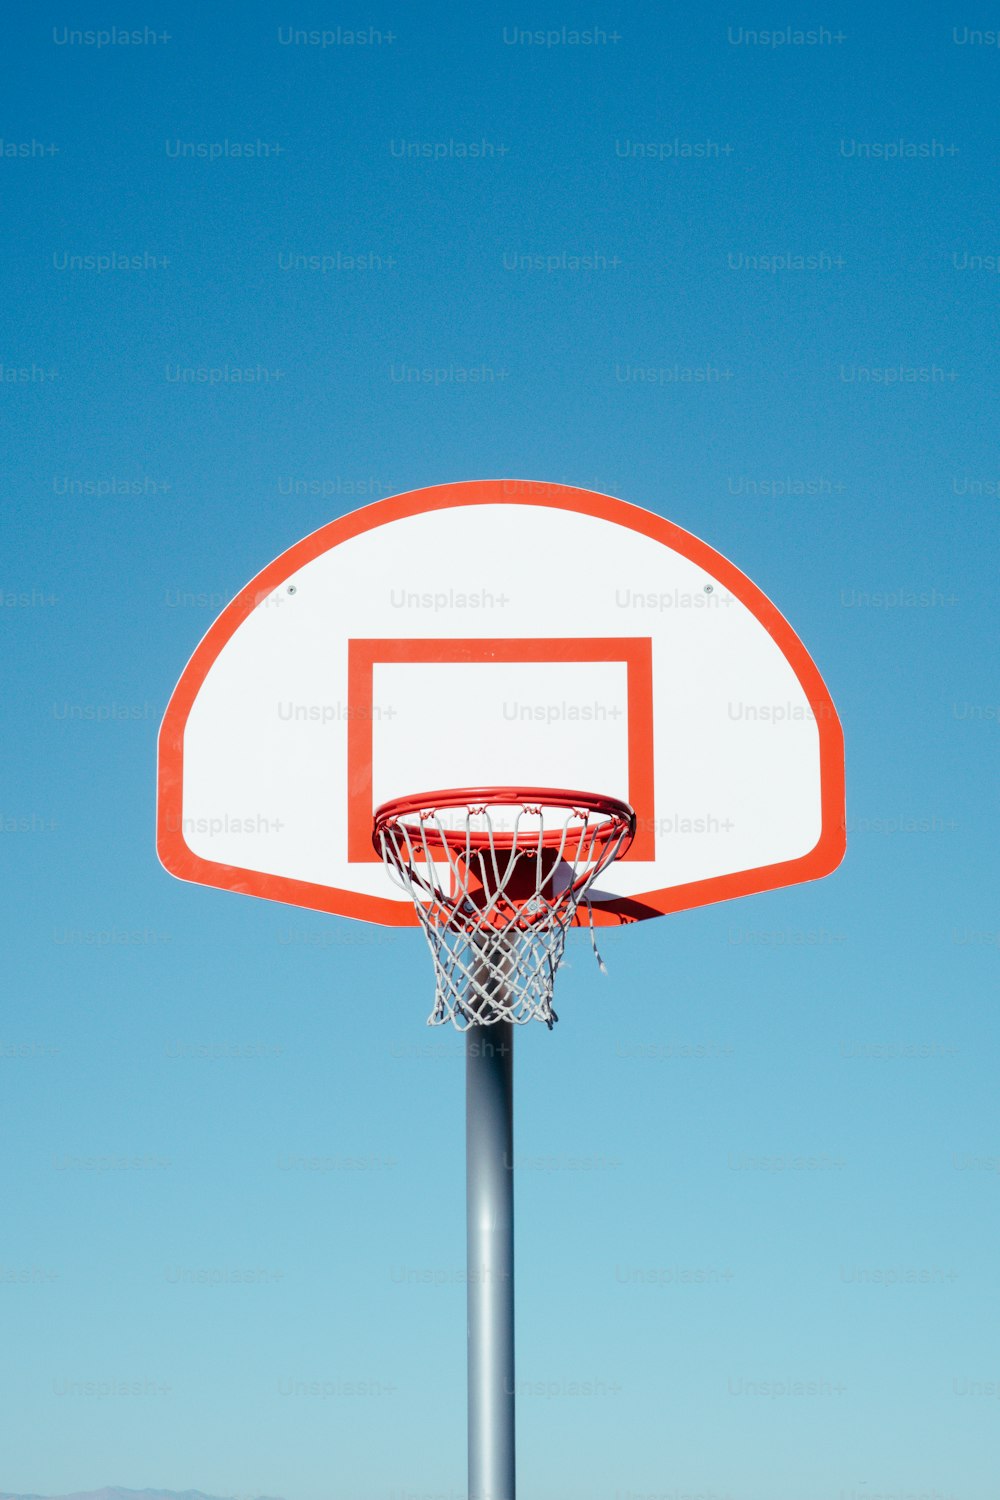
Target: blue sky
[(826, 1330)]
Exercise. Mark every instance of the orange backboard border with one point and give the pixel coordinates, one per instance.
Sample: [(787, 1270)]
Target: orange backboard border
[(180, 860)]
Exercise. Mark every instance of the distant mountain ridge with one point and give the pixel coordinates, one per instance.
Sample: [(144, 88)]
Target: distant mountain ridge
[(113, 1492)]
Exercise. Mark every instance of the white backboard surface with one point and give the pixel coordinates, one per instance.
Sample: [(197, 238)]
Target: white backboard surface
[(505, 633)]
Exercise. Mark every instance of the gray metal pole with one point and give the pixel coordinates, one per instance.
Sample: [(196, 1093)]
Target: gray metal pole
[(489, 1182)]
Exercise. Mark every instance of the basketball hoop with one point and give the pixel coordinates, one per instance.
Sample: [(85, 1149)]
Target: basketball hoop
[(496, 875)]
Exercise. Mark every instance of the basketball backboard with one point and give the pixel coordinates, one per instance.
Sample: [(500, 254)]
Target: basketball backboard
[(511, 633)]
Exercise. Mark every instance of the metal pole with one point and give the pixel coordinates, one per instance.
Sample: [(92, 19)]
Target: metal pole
[(489, 1182)]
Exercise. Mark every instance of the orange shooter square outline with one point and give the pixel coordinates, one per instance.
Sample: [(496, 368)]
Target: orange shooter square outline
[(636, 652)]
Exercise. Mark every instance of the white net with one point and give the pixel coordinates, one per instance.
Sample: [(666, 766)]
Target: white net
[(496, 888)]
